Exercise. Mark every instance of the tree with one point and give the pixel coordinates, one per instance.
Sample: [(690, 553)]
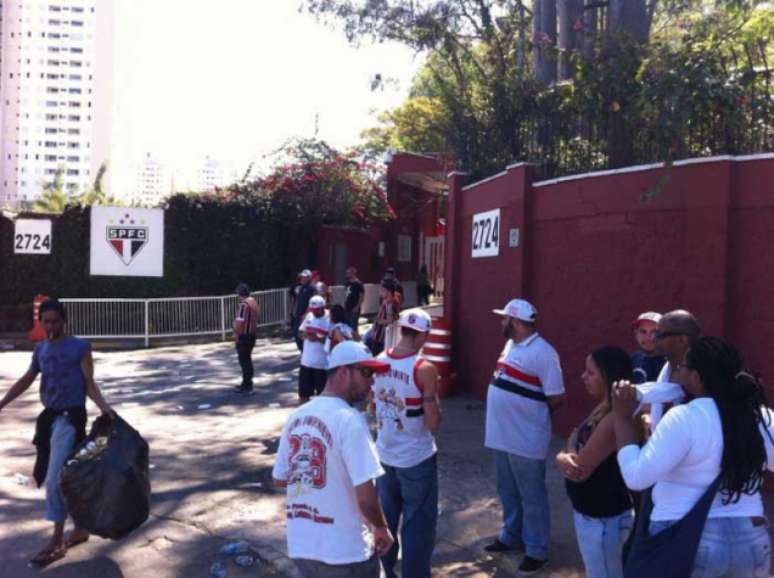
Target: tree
[(53, 198), (313, 184)]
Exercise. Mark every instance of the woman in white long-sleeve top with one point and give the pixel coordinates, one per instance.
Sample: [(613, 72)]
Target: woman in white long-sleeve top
[(705, 461)]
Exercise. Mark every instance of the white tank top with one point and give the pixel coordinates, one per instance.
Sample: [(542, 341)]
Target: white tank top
[(403, 440)]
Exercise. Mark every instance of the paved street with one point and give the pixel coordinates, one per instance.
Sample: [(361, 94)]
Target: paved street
[(211, 455)]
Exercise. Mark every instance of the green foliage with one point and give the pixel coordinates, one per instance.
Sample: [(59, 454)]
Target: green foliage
[(261, 232), (700, 86), (53, 198)]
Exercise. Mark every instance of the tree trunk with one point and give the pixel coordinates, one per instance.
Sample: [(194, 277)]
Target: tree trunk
[(590, 31), (628, 16), (544, 41), (570, 15)]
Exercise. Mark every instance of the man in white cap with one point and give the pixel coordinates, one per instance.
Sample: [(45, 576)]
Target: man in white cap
[(645, 362), (305, 292), (407, 414), (314, 361), (328, 463), (526, 389)]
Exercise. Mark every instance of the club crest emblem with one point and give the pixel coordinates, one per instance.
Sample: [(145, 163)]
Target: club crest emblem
[(127, 238)]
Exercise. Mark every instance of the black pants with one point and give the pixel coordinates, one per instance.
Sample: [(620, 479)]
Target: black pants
[(353, 318), (295, 323), (244, 347)]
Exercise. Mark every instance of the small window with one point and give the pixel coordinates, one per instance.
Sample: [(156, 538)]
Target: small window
[(404, 248)]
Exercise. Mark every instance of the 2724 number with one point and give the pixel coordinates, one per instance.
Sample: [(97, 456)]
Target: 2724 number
[(486, 233), (28, 242)]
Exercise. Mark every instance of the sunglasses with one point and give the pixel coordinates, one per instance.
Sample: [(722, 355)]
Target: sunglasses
[(665, 334), (365, 371)]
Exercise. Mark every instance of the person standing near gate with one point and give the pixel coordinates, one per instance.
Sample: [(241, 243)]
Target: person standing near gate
[(314, 330), (527, 388), (67, 369), (305, 292), (407, 413), (245, 325), (353, 302)]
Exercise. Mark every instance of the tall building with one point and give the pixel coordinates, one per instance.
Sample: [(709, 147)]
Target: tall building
[(55, 94), (154, 182), (210, 175)]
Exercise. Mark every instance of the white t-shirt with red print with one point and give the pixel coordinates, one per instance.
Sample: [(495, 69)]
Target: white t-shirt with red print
[(314, 355), (324, 452)]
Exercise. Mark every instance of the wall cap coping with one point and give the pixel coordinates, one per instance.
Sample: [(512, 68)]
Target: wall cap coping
[(652, 166)]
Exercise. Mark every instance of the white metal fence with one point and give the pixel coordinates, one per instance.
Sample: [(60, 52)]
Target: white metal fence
[(148, 319), (168, 317)]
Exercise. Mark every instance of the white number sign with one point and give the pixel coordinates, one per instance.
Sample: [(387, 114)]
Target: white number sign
[(486, 234), (32, 237)]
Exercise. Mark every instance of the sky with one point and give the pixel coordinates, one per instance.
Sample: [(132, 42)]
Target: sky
[(234, 79)]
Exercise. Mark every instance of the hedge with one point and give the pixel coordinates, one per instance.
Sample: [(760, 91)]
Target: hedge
[(210, 246)]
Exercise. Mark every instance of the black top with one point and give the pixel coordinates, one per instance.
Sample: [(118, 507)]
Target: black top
[(354, 290), (302, 302), (603, 494), (646, 368)]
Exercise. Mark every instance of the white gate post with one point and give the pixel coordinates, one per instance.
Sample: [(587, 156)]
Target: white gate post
[(147, 326), (223, 318)]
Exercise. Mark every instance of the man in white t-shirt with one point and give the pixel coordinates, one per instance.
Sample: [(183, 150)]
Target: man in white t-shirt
[(314, 360), (328, 463), (526, 389), (407, 414)]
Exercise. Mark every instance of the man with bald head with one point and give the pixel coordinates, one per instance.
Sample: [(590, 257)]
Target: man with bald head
[(677, 330)]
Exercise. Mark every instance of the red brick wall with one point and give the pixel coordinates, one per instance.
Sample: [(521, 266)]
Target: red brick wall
[(593, 255)]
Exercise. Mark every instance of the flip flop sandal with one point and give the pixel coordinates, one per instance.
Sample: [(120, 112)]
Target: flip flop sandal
[(46, 557), (70, 543)]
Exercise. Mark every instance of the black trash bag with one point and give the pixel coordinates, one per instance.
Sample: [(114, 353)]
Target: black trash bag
[(105, 481)]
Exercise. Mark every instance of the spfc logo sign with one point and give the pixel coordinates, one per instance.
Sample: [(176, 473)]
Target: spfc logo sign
[(127, 238)]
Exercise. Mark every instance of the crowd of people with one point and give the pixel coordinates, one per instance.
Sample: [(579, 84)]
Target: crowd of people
[(664, 474)]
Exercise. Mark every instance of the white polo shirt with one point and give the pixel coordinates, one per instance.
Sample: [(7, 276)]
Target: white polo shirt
[(516, 423)]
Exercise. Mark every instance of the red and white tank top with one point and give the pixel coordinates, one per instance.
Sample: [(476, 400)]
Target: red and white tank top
[(403, 440)]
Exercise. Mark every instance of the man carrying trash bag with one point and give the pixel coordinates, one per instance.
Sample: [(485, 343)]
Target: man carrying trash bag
[(67, 369)]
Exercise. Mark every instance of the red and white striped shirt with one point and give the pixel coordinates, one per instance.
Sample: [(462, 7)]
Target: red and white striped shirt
[(246, 320)]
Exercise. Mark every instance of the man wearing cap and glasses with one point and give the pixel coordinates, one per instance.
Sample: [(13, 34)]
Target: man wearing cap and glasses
[(407, 414), (646, 364), (245, 325), (328, 463), (314, 361), (526, 389), (305, 292)]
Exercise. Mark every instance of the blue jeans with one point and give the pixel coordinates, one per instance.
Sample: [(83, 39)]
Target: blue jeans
[(62, 444), (600, 541), (413, 494), (521, 486), (729, 548)]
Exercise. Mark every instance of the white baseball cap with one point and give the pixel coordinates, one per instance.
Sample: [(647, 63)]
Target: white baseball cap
[(317, 302), (416, 319), (355, 353), (647, 316), (518, 309), (306, 273)]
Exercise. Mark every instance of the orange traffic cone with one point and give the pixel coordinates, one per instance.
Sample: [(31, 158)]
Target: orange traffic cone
[(37, 333)]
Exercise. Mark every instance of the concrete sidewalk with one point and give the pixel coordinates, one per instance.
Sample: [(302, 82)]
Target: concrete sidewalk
[(212, 453)]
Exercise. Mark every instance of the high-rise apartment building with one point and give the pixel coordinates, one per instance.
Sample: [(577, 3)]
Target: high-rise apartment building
[(55, 94), (153, 182)]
